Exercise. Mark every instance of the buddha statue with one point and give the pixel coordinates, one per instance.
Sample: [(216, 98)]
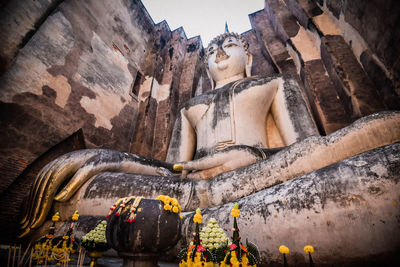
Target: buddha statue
[(217, 137)]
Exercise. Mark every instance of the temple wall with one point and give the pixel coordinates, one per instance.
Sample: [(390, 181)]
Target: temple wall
[(67, 71), (75, 72)]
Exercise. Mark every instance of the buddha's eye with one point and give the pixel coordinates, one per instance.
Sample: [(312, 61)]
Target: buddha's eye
[(229, 45), (211, 50)]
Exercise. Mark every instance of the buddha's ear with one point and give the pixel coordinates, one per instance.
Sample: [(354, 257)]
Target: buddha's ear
[(210, 78), (249, 64)]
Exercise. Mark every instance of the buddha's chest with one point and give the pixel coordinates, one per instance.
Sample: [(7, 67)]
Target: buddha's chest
[(232, 117)]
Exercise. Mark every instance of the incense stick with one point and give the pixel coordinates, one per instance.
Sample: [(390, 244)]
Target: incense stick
[(9, 256), (23, 256), (79, 257), (19, 254), (30, 258), (83, 258), (45, 257), (14, 254)]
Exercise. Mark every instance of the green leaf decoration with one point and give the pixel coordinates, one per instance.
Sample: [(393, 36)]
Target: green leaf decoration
[(220, 254), (228, 259), (253, 250), (252, 259), (182, 254), (209, 255)]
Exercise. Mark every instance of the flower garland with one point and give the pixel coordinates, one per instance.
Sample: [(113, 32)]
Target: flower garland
[(213, 237), (56, 249), (134, 206), (170, 204), (197, 254), (121, 206), (95, 240), (240, 255)]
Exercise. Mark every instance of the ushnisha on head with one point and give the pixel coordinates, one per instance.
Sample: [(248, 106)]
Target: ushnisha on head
[(227, 59)]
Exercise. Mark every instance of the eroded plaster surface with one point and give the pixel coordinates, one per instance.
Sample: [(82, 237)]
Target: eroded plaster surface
[(105, 71), (30, 71)]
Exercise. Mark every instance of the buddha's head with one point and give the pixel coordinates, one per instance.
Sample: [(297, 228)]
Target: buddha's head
[(227, 59)]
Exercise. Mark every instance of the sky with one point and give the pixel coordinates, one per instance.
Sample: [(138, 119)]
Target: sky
[(204, 17)]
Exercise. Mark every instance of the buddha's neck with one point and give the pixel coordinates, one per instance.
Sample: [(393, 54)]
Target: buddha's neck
[(219, 84)]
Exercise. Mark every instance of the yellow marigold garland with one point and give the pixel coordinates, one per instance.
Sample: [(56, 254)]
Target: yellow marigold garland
[(170, 204), (235, 212), (56, 217), (56, 249), (239, 254), (197, 217), (196, 255), (75, 216)]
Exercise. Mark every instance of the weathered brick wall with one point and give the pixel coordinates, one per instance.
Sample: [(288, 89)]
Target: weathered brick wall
[(370, 30), (73, 72)]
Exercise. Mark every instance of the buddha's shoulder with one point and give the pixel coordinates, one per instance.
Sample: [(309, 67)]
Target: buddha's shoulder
[(258, 80), (205, 98), (240, 85)]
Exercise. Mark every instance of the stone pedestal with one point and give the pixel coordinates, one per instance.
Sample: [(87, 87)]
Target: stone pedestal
[(139, 259)]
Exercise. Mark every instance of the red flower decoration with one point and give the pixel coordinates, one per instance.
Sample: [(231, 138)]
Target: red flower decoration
[(232, 247), (200, 248)]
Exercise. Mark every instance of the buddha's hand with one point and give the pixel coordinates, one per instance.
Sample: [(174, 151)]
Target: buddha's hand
[(226, 160), (81, 165)]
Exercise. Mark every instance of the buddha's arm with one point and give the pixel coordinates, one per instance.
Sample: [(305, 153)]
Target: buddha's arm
[(290, 112), (183, 141)]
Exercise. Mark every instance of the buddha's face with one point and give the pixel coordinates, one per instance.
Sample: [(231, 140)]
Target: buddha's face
[(226, 58)]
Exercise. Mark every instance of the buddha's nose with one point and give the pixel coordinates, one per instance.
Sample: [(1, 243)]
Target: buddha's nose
[(221, 55)]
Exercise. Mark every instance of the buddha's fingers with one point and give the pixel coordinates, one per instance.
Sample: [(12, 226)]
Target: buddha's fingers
[(47, 183), (207, 174), (184, 173), (42, 192), (58, 176), (37, 193), (82, 176), (231, 154), (109, 161), (232, 164), (207, 162), (35, 186)]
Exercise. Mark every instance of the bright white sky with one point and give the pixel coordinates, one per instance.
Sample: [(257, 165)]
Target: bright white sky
[(204, 17)]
